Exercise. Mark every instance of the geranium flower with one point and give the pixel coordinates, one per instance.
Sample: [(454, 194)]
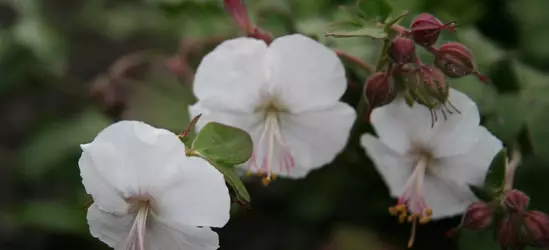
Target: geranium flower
[(285, 95), (148, 194), (429, 168)]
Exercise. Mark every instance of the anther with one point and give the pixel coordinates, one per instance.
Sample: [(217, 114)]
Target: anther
[(424, 220)]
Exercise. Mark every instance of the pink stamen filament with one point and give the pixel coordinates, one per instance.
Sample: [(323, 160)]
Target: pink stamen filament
[(136, 237), (271, 139), (413, 189)]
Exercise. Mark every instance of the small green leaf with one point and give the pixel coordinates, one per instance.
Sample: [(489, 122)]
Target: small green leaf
[(222, 143), (495, 178), (232, 178), (374, 10), (481, 193), (373, 32)]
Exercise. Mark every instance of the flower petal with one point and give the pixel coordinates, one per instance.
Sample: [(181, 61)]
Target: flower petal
[(194, 193), (403, 128), (395, 168), (314, 138), (109, 228), (163, 236), (232, 75), (249, 122), (305, 74), (446, 189), (446, 198), (470, 167), (99, 187), (131, 158)]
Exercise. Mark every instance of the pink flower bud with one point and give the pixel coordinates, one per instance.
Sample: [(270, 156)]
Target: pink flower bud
[(478, 216), (537, 225), (516, 201), (455, 60), (426, 28), (240, 14), (402, 50), (380, 89), (509, 233), (435, 83)]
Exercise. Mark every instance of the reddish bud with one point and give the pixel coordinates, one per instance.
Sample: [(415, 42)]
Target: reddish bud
[(516, 201), (238, 11), (402, 50), (455, 60), (509, 233), (380, 89), (478, 216), (537, 225), (435, 83), (426, 28), (240, 14)]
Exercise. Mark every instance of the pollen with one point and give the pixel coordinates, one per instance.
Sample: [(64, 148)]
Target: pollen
[(404, 214)]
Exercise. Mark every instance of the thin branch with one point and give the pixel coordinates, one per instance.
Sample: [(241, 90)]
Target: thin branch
[(364, 65)]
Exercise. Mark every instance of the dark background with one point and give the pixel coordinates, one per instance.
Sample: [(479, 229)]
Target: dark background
[(68, 68)]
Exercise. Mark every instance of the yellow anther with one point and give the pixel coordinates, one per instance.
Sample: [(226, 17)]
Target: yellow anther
[(428, 212), (265, 181), (410, 219), (402, 218), (273, 176), (401, 208), (248, 173), (393, 211), (424, 220)]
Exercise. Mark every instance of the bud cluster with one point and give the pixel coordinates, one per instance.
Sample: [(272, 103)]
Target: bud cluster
[(516, 227), (422, 83)]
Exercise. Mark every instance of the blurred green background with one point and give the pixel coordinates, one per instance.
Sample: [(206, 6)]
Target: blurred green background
[(68, 68)]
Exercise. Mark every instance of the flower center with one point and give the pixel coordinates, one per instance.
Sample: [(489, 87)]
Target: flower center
[(412, 207), (136, 237), (271, 154)]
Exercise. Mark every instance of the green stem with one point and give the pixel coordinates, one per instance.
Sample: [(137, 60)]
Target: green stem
[(361, 106)]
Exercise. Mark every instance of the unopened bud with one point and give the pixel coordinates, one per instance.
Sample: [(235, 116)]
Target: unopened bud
[(435, 83), (516, 201), (238, 11), (455, 60), (402, 50), (380, 89), (426, 29), (537, 225), (478, 216), (509, 233)]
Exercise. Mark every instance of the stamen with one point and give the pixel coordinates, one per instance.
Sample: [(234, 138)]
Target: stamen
[(136, 237), (272, 149), (411, 206)]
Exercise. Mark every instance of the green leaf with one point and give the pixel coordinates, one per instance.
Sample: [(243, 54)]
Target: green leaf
[(58, 141), (231, 177), (375, 10), (221, 143), (373, 32), (481, 193), (495, 178)]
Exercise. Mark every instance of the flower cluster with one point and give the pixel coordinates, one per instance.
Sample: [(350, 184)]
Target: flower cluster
[(516, 227), (150, 191), (424, 83)]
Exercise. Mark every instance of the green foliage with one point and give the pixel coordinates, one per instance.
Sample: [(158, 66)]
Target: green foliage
[(224, 147), (495, 178), (51, 51), (222, 143)]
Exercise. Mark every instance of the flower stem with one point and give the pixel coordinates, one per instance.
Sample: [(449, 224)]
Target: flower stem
[(364, 65)]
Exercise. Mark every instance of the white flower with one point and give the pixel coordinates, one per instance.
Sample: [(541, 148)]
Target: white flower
[(148, 194), (428, 168), (286, 96)]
